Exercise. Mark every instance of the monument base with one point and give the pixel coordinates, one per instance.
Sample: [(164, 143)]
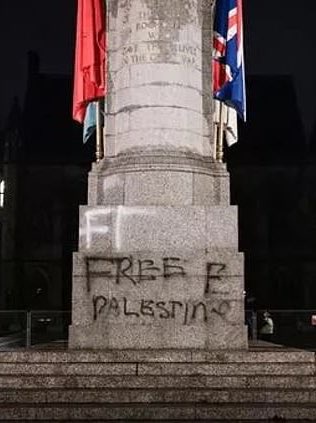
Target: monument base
[(158, 264), (166, 301)]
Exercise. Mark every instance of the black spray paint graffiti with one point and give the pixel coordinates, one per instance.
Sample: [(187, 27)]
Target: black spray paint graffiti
[(137, 271), (133, 270), (214, 271), (186, 312)]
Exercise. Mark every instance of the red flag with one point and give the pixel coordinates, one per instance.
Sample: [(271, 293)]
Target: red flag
[(90, 60)]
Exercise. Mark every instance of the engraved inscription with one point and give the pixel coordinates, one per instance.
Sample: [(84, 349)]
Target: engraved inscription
[(160, 34), (156, 52)]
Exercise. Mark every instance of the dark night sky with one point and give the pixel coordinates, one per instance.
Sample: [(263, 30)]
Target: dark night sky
[(41, 25), (279, 39)]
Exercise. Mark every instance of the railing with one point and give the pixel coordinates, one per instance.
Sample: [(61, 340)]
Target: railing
[(31, 328), (27, 328)]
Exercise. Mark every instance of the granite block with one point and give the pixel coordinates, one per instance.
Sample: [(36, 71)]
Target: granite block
[(110, 144), (222, 189), (134, 335), (222, 227), (164, 73), (79, 266), (146, 53), (184, 289), (217, 264), (118, 123), (121, 78), (123, 122), (59, 412), (111, 396), (207, 147), (113, 356), (68, 369), (157, 139), (281, 382), (80, 302), (190, 185), (166, 395), (213, 191), (159, 228), (162, 228), (158, 188), (270, 396), (170, 96), (77, 356), (168, 118), (254, 357), (251, 412), (110, 335), (158, 413), (112, 190), (93, 188), (95, 227), (225, 369), (145, 300), (200, 381)]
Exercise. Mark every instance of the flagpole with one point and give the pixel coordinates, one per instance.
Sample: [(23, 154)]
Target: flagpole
[(215, 141), (106, 68), (99, 144), (220, 136)]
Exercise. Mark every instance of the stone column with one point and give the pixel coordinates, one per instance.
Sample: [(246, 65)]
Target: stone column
[(158, 263), (158, 98)]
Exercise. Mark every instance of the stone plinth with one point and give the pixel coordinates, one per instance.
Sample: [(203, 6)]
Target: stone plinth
[(160, 178), (158, 265), (152, 301)]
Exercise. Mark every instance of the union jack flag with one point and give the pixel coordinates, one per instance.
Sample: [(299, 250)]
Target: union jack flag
[(228, 56)]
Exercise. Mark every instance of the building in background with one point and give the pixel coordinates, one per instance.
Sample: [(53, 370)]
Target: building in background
[(44, 169)]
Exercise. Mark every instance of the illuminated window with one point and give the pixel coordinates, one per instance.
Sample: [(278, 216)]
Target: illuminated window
[(2, 188)]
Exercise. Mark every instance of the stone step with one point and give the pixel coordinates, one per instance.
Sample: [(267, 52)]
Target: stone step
[(157, 369), (225, 369), (140, 382), (157, 386), (156, 412), (152, 395), (173, 356)]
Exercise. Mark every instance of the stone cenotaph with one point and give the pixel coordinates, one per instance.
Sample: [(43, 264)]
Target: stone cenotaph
[(158, 265)]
